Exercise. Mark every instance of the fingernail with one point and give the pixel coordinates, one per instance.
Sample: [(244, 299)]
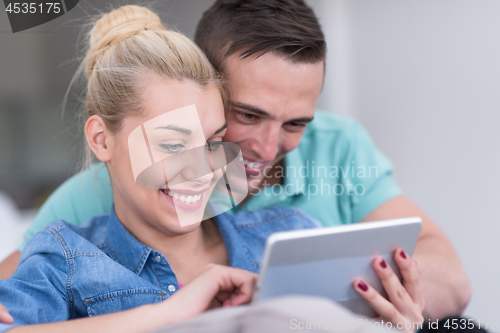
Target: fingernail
[(383, 264), (362, 286), (403, 254)]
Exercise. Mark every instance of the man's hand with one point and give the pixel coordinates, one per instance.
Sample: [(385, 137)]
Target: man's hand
[(445, 285), (406, 301), (216, 286), (9, 265)]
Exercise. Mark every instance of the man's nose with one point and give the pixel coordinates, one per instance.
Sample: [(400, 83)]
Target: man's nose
[(267, 147)]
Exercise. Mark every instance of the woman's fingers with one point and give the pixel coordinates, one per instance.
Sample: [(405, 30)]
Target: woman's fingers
[(396, 292), (411, 277), (235, 286), (385, 309), (5, 316), (405, 303), (216, 286)]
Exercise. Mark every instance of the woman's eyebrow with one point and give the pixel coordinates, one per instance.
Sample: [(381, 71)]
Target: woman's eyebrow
[(221, 129), (175, 128)]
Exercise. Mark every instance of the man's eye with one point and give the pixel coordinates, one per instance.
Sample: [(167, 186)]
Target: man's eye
[(296, 126), (171, 148), (214, 145), (247, 116)]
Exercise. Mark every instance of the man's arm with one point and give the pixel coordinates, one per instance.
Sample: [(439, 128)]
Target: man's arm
[(9, 265), (445, 284)]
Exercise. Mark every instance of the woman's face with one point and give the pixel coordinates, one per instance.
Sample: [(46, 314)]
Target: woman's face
[(178, 116)]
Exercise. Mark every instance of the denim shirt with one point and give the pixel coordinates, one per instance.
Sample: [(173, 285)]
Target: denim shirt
[(68, 272)]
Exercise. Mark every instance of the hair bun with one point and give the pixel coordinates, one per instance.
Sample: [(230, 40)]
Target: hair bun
[(122, 23)]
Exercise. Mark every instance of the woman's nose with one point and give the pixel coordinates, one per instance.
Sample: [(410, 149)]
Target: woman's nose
[(197, 167)]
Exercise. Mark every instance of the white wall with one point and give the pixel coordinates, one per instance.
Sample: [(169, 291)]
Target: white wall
[(424, 78)]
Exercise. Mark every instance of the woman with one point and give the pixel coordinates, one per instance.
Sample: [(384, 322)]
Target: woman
[(121, 266)]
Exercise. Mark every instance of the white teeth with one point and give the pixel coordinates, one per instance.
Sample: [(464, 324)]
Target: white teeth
[(252, 165), (184, 198)]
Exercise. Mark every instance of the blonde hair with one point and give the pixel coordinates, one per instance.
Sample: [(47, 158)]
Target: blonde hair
[(128, 44)]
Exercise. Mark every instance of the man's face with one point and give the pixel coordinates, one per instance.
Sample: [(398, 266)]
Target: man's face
[(272, 101)]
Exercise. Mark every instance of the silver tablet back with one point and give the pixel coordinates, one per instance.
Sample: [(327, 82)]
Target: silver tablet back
[(325, 261)]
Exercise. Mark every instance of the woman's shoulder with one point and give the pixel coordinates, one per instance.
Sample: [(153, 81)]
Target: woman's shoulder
[(262, 223), (66, 238), (253, 228), (277, 218)]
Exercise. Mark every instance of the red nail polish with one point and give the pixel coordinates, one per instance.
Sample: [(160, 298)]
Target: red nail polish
[(362, 286), (383, 264), (403, 254)]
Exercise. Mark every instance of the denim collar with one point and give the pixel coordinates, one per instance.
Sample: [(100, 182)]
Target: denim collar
[(125, 248), (133, 254), (235, 247)]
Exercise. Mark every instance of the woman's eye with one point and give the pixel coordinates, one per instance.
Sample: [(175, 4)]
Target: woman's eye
[(171, 148), (214, 145)]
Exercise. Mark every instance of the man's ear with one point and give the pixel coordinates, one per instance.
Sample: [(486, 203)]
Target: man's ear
[(98, 138)]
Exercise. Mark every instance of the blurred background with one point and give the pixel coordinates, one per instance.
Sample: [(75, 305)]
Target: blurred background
[(422, 76)]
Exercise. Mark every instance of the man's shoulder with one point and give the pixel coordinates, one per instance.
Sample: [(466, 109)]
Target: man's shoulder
[(82, 196), (327, 122), (332, 132), (93, 182)]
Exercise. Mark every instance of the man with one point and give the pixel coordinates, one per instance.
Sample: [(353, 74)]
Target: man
[(273, 55)]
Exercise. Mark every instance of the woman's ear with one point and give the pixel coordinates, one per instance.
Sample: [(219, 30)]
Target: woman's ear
[(98, 138)]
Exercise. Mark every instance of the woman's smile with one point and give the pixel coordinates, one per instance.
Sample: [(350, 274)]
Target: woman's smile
[(186, 200)]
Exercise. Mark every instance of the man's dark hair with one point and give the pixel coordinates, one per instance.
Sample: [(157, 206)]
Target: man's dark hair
[(288, 28)]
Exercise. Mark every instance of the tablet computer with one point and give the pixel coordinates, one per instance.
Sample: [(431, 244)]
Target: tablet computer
[(326, 261)]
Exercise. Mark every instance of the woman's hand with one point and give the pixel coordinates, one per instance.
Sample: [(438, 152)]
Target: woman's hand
[(5, 317), (406, 301), (216, 286)]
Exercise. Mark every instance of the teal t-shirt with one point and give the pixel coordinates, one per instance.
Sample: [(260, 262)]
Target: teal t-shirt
[(336, 175)]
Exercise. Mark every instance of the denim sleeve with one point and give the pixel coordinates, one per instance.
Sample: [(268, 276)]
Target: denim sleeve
[(81, 197), (37, 291), (311, 222)]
